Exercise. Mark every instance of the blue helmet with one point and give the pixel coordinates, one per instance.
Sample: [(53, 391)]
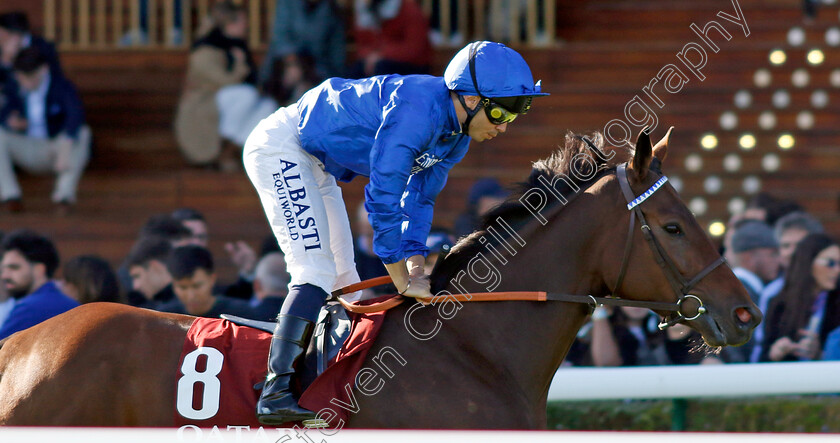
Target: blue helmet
[(492, 70)]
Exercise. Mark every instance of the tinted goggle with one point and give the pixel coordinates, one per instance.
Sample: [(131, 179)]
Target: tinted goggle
[(497, 114)]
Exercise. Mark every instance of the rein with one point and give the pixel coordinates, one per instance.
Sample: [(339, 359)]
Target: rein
[(680, 285), (396, 300)]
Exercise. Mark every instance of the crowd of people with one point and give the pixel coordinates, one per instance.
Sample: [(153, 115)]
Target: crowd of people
[(225, 93), (169, 269)]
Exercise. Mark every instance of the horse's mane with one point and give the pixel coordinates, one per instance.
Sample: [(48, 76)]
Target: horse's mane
[(559, 164)]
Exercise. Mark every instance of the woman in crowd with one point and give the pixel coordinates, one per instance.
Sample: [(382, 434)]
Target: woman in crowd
[(89, 278), (796, 322)]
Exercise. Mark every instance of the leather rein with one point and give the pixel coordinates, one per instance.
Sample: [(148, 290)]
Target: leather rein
[(680, 285)]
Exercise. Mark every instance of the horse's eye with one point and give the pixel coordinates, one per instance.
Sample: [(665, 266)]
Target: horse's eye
[(673, 229)]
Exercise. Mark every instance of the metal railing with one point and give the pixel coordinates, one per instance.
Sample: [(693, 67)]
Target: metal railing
[(173, 24)]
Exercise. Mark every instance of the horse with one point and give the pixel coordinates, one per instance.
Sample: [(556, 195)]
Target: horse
[(481, 365)]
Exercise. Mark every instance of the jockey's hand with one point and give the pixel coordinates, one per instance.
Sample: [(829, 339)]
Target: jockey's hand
[(418, 287), (408, 277)]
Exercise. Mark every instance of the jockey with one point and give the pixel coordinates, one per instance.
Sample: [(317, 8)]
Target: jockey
[(405, 133)]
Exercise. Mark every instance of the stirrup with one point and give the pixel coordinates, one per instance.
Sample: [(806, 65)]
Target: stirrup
[(315, 423)]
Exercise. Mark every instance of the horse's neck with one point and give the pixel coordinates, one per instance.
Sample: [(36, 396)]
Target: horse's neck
[(530, 339)]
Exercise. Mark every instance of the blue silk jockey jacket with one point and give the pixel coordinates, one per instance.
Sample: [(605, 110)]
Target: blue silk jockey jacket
[(403, 133)]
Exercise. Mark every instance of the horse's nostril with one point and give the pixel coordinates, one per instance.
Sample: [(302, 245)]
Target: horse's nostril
[(743, 315)]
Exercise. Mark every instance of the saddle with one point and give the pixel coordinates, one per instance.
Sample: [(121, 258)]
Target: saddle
[(331, 331)]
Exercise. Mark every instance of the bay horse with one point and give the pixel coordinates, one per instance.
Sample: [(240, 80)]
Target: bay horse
[(466, 365)]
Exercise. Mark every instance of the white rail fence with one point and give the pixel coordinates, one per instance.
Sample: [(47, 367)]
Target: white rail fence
[(695, 381)]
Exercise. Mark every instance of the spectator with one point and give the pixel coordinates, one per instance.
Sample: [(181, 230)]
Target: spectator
[(150, 279), (795, 324), (196, 224), (191, 268), (485, 195), (832, 346), (219, 58), (392, 37), (769, 209), (622, 339), (240, 253), (762, 207), (166, 227), (628, 336), (756, 256), (297, 75), (89, 278), (15, 36), (44, 131), (28, 264), (789, 231), (314, 27), (7, 302), (270, 286), (161, 227), (439, 242)]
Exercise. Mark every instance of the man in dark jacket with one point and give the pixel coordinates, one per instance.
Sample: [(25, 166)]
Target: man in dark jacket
[(193, 279), (15, 36), (28, 263), (43, 131)]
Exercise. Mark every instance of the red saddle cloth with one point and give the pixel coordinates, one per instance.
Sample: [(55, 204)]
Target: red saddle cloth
[(221, 362)]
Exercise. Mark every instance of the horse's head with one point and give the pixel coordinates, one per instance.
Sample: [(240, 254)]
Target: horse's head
[(669, 257)]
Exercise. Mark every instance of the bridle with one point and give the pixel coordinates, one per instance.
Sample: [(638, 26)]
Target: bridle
[(678, 283)]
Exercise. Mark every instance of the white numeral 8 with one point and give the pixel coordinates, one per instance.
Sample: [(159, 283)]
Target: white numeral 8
[(212, 385)]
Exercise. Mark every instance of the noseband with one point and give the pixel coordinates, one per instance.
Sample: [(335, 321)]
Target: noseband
[(680, 285)]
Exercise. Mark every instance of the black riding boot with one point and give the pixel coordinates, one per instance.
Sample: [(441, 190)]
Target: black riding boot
[(277, 405)]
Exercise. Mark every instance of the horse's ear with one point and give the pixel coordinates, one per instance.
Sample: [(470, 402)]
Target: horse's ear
[(643, 156), (660, 150)]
